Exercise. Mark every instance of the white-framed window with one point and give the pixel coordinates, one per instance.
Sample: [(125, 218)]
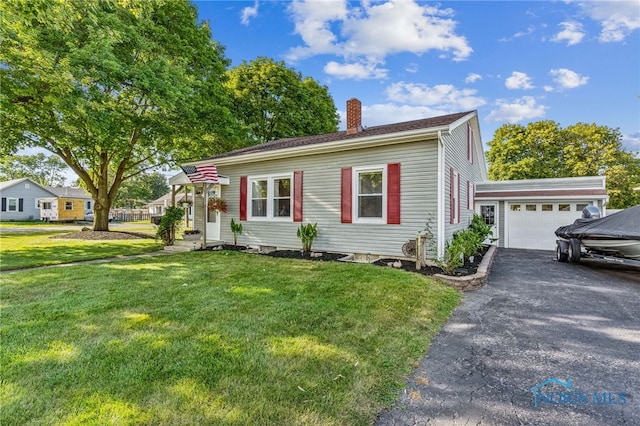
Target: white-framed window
[(370, 194), (46, 205), (270, 197), (68, 205), (12, 204), (88, 205)]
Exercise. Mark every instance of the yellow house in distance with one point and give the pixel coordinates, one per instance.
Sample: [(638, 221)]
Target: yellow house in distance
[(69, 205)]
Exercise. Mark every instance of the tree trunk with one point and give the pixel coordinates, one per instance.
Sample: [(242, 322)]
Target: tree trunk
[(101, 219)]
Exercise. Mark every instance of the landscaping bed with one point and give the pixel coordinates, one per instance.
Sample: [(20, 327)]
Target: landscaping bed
[(299, 254), (470, 266)]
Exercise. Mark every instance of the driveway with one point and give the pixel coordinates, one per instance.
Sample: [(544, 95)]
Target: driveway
[(535, 320)]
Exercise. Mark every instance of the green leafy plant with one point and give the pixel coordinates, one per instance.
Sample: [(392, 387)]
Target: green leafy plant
[(453, 256), (307, 233), (236, 228), (464, 244), (169, 221)]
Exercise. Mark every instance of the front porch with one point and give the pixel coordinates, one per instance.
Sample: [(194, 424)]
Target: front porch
[(204, 220)]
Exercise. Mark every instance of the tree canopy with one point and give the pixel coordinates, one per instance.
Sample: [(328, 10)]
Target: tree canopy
[(543, 149), (274, 101), (112, 87), (141, 189), (47, 170)]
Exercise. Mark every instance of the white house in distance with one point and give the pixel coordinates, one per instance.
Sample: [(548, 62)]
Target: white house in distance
[(371, 189), (21, 199)]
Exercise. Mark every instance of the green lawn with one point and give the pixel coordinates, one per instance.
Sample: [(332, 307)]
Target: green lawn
[(27, 249), (218, 338)]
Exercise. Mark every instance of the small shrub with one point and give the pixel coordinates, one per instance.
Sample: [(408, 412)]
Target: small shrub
[(168, 223), (236, 228), (307, 233)]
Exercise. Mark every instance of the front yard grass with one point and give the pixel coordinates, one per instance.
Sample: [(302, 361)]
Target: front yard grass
[(20, 250), (220, 338)]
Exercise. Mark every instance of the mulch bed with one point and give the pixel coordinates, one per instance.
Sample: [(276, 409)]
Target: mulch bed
[(299, 254), (469, 268), (104, 235)]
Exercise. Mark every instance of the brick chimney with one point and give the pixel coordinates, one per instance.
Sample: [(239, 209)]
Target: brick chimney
[(354, 116)]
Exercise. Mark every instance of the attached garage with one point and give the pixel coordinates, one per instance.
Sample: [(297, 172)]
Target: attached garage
[(525, 213)]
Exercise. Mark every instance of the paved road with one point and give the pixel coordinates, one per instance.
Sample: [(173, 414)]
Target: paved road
[(535, 320)]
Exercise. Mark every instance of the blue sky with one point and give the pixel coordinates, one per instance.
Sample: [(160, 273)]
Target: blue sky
[(513, 61)]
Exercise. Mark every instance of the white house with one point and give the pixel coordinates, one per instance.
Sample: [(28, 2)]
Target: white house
[(371, 189)]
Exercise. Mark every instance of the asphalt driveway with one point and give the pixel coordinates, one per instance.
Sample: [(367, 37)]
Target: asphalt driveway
[(576, 327)]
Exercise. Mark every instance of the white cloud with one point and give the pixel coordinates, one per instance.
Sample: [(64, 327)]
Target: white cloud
[(248, 13), (412, 68), (617, 18), (356, 71), (572, 33), (370, 32), (443, 97), (472, 78), (518, 80), (567, 79), (524, 108), (632, 141)]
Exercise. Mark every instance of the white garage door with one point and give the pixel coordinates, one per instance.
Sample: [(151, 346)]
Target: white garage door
[(532, 224)]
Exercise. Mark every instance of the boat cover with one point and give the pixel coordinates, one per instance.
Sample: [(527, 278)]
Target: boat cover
[(624, 224)]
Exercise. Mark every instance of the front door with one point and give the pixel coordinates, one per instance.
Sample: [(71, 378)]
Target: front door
[(213, 218), (489, 213)]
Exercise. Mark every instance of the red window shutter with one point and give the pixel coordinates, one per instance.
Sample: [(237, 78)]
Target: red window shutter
[(297, 196), (393, 193), (458, 201), (345, 195), (243, 198), (451, 203)]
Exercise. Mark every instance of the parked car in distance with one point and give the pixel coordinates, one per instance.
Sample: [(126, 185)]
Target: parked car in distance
[(89, 216)]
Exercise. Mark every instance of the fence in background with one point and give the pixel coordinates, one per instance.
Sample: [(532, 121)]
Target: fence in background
[(130, 215)]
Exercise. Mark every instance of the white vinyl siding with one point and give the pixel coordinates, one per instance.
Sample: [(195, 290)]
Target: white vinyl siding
[(322, 199)]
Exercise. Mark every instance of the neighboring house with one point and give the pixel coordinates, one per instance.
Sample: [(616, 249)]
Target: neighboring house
[(67, 204), (525, 213), (159, 206), (20, 199), (369, 189)]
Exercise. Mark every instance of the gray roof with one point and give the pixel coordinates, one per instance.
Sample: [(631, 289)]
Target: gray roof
[(427, 123), (9, 183), (68, 192)]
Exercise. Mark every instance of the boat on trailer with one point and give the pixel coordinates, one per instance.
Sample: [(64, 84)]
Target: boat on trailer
[(613, 238)]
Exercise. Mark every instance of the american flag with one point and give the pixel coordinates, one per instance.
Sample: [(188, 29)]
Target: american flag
[(207, 173)]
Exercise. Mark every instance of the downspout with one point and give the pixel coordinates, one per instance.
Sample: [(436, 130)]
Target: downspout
[(441, 182)]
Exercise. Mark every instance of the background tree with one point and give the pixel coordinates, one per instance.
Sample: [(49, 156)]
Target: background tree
[(141, 189), (47, 170), (274, 101), (113, 88), (543, 149)]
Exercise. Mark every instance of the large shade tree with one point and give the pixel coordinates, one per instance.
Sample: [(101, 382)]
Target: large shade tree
[(112, 87), (274, 101), (543, 149)]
